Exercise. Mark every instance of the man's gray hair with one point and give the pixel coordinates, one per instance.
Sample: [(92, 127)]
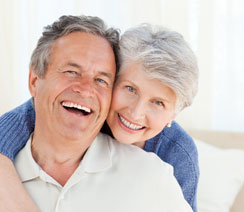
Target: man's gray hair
[(164, 55), (40, 58)]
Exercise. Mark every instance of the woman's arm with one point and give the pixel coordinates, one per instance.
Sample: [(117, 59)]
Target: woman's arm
[(13, 196), (174, 146), (186, 171), (15, 129)]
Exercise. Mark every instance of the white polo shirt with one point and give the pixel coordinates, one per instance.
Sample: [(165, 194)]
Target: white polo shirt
[(112, 177)]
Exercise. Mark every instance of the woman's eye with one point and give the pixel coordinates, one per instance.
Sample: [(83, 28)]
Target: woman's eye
[(131, 89)]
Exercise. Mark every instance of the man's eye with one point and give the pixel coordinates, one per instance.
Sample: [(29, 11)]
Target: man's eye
[(157, 102), (130, 89), (101, 81), (71, 72)]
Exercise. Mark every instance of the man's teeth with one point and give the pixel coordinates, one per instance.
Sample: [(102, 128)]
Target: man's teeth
[(129, 125), (72, 105)]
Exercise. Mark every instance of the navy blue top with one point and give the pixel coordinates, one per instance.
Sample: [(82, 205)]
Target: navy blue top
[(173, 145)]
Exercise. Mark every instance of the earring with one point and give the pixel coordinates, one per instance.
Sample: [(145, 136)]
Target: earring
[(169, 125)]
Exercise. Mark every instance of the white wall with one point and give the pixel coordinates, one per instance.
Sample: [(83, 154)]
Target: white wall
[(198, 116), (21, 23)]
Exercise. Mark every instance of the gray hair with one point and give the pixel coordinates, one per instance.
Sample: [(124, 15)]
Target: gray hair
[(40, 58), (164, 55)]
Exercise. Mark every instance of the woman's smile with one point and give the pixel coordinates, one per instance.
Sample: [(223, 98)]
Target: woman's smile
[(126, 123)]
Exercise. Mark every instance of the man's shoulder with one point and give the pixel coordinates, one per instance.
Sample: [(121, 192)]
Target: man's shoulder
[(132, 156), (146, 172)]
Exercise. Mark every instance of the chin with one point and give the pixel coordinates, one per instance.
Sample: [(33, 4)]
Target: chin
[(124, 140)]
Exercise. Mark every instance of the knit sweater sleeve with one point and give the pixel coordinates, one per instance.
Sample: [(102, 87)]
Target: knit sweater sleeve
[(181, 152), (15, 129), (174, 146)]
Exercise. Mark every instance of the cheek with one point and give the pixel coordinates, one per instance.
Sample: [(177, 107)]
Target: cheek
[(159, 119), (60, 85), (43, 90), (52, 83), (117, 100), (105, 97)]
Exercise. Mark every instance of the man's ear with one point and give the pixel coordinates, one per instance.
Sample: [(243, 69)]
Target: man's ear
[(33, 78)]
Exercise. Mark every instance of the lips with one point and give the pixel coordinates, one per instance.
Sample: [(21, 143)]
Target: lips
[(76, 108), (130, 125)]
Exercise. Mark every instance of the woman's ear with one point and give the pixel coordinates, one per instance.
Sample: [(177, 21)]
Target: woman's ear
[(171, 119), (33, 78)]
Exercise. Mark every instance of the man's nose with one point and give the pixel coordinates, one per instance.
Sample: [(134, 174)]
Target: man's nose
[(84, 86)]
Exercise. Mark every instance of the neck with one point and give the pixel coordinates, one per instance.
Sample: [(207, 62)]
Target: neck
[(140, 144), (59, 157)]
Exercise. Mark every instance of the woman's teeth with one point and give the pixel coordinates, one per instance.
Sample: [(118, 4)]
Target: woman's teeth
[(130, 125)]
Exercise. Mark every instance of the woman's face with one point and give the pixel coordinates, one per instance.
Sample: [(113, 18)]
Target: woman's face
[(141, 106)]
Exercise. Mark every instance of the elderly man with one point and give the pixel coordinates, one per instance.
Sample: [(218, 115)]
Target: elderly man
[(67, 165)]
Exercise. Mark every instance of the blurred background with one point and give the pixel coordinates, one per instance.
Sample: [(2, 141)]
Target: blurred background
[(213, 28)]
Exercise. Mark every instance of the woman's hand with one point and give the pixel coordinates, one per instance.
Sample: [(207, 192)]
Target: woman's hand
[(13, 196)]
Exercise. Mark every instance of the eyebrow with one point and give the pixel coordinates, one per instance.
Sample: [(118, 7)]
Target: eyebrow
[(108, 75), (75, 65)]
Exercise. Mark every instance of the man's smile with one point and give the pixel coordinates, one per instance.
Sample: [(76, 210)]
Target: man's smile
[(76, 108)]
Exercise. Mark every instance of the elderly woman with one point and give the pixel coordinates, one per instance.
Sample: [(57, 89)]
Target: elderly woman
[(157, 79)]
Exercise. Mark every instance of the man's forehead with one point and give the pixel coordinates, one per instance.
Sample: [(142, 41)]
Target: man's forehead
[(82, 41), (83, 51), (78, 36)]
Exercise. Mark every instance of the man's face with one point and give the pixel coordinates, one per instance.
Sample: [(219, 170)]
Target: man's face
[(73, 98)]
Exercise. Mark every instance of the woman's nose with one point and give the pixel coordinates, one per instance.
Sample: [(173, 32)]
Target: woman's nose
[(137, 110)]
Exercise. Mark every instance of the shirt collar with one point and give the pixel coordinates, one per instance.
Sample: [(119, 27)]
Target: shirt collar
[(25, 165), (98, 157)]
